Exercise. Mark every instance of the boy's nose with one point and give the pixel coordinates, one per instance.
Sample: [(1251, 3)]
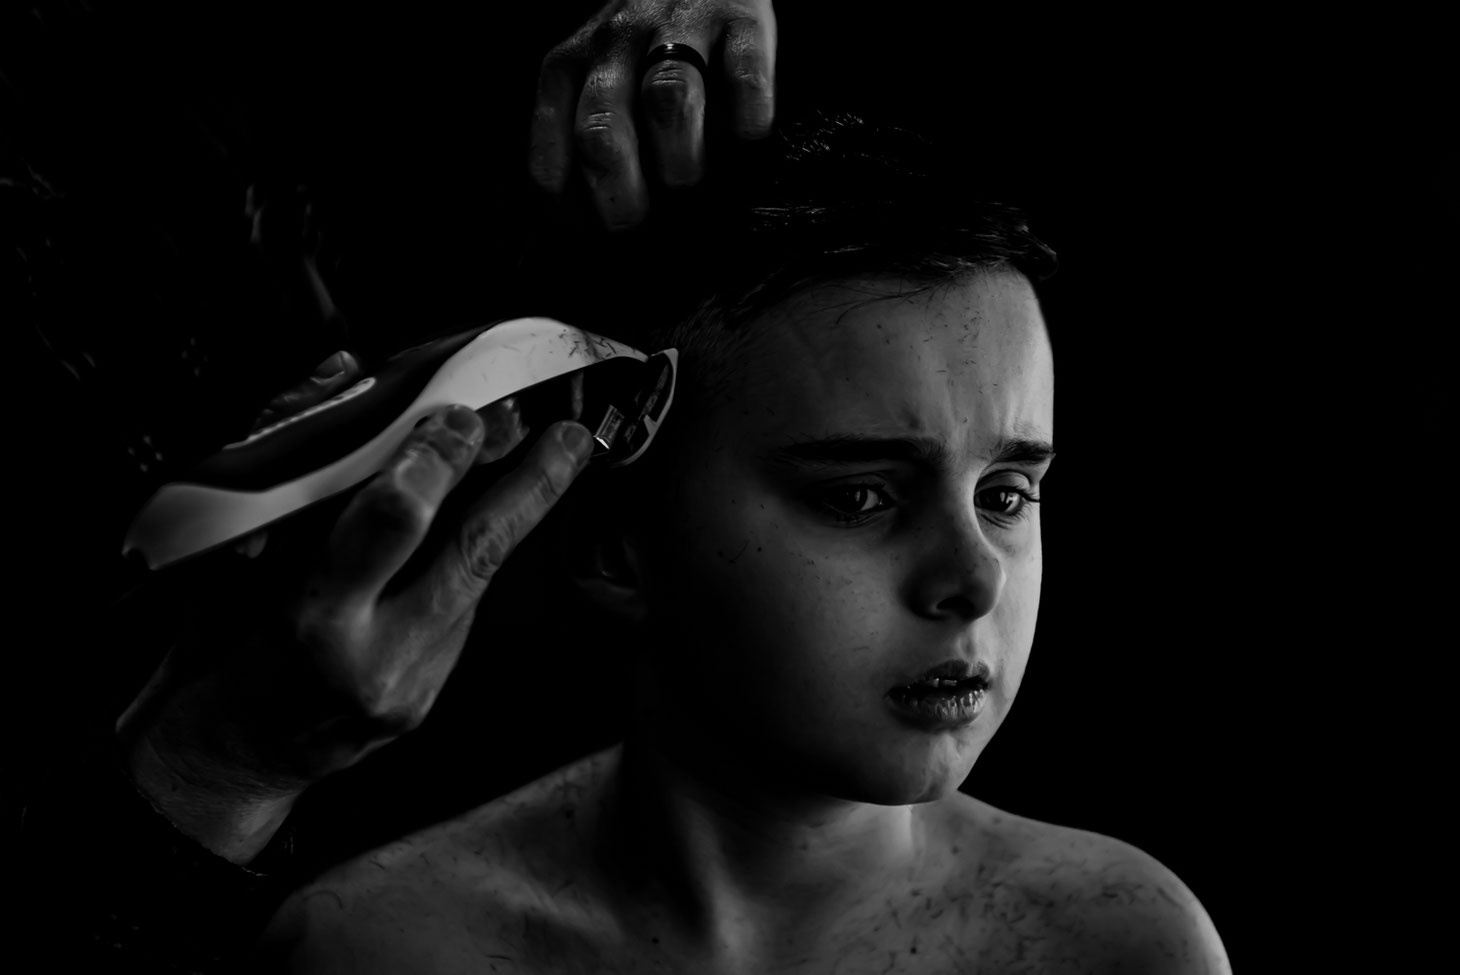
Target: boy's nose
[(959, 572)]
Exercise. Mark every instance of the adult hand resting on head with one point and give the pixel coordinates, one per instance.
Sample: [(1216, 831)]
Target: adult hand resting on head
[(334, 650), (337, 647), (590, 84)]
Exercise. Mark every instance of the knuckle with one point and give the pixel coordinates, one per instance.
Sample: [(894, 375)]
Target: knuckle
[(750, 77), (562, 58), (485, 545), (391, 509), (400, 721), (745, 59), (549, 486), (612, 33), (370, 695), (445, 443), (598, 139), (289, 400), (599, 89), (546, 117), (377, 698), (746, 28), (668, 94)]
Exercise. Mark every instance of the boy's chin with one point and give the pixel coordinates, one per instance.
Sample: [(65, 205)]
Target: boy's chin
[(908, 784)]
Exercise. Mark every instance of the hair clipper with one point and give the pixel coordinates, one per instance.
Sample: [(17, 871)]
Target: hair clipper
[(335, 445)]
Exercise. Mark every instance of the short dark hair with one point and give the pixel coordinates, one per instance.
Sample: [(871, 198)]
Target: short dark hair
[(837, 197), (829, 197)]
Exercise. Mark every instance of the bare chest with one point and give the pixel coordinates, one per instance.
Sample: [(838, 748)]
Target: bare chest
[(999, 930)]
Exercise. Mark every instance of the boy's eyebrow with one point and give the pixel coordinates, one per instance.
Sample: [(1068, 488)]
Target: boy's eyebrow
[(851, 448)]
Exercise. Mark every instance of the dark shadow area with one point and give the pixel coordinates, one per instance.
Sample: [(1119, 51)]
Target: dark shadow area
[(1257, 254)]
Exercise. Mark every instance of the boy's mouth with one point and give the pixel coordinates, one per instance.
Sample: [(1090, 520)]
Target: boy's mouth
[(945, 696)]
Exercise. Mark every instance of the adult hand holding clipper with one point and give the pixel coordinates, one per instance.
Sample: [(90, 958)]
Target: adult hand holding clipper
[(344, 657)]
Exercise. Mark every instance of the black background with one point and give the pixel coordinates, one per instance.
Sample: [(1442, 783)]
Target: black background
[(1255, 222)]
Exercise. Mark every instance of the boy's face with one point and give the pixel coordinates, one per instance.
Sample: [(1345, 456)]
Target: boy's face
[(810, 579)]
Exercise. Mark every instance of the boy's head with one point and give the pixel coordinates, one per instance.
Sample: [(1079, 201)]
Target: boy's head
[(842, 498)]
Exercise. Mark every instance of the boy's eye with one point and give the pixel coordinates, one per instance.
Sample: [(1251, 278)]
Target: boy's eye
[(854, 499), (1008, 502), (852, 503)]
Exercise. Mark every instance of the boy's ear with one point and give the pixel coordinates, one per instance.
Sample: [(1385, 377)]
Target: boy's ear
[(612, 580)]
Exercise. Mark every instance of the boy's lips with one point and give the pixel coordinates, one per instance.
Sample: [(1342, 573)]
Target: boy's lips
[(949, 695), (950, 672)]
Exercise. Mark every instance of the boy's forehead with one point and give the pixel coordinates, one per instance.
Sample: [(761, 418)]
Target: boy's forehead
[(869, 357)]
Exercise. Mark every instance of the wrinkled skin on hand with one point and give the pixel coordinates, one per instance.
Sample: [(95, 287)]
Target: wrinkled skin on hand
[(594, 111), (307, 649)]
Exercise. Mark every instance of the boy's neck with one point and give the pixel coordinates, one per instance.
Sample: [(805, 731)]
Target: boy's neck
[(742, 861)]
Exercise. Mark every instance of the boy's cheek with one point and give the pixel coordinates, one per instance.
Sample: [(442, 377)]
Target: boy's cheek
[(744, 559), (1013, 626), (765, 590)]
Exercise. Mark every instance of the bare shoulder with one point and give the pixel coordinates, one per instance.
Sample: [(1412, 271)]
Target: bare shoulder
[(1082, 900), (458, 897)]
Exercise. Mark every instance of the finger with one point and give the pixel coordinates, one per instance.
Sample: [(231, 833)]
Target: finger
[(333, 375), (604, 135), (672, 93), (551, 147), (385, 522), (252, 546), (499, 520), (504, 430), (750, 70)]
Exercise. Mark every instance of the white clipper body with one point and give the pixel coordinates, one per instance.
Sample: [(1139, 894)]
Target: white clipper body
[(335, 445)]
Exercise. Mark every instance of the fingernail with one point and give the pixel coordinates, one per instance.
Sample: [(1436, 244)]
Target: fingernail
[(516, 426), (464, 423), (508, 412), (577, 439), (330, 368)]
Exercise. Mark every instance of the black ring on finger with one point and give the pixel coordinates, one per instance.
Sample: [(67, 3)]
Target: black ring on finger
[(674, 52)]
